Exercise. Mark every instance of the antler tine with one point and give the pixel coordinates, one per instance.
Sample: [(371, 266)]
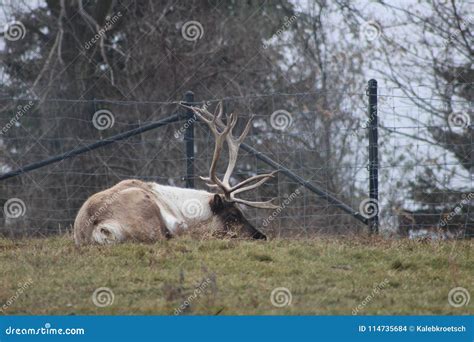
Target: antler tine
[(224, 132), (210, 185), (217, 116), (208, 118), (219, 111), (212, 122), (202, 113), (263, 178), (233, 144), (261, 205), (205, 112), (241, 188), (245, 131)]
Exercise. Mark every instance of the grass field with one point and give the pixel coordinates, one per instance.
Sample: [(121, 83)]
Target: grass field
[(185, 276)]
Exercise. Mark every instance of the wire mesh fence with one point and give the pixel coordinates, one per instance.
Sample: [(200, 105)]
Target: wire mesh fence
[(327, 148), (427, 162)]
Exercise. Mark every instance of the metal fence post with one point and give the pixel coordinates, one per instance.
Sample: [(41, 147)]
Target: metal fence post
[(373, 156), (189, 139)]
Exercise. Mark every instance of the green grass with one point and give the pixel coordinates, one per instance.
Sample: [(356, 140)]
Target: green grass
[(324, 275)]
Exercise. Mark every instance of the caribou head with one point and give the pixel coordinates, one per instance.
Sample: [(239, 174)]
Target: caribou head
[(225, 201), (139, 211)]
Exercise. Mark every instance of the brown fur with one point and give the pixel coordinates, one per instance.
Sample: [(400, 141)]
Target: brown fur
[(232, 220), (132, 204), (129, 202)]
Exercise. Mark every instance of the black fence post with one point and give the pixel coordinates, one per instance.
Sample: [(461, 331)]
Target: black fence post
[(189, 139), (373, 157)]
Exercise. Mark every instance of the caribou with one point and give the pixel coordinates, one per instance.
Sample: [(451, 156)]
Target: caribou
[(134, 210)]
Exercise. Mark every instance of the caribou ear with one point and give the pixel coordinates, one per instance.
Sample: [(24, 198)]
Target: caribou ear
[(217, 204)]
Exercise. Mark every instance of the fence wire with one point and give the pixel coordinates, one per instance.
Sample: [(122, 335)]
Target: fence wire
[(422, 179)]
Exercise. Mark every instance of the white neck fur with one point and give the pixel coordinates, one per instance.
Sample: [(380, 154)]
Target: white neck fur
[(182, 208)]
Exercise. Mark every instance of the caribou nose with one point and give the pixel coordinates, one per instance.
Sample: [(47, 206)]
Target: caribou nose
[(259, 236)]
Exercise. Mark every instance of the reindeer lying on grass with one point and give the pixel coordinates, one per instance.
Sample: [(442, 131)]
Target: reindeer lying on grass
[(134, 210)]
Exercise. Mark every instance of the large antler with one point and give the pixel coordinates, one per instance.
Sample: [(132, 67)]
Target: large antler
[(224, 132)]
